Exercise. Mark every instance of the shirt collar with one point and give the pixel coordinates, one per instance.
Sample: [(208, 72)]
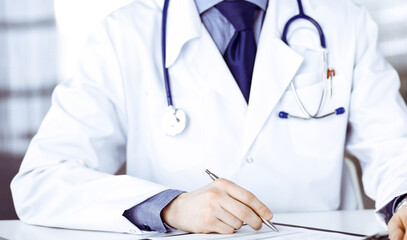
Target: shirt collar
[(204, 5)]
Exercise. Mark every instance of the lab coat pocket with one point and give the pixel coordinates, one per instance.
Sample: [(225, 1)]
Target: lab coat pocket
[(311, 80), (314, 137), (183, 151)]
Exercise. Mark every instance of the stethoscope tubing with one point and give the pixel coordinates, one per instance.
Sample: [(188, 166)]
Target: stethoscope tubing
[(283, 115), (302, 15), (338, 111), (164, 53)]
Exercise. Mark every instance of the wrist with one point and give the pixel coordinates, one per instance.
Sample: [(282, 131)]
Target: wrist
[(401, 204), (170, 212)]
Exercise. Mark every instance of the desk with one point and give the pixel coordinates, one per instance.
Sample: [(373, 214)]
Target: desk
[(363, 222)]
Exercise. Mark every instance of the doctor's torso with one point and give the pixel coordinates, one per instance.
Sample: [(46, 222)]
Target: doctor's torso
[(280, 160), (247, 144)]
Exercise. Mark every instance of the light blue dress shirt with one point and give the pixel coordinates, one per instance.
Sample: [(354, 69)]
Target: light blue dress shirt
[(220, 29)]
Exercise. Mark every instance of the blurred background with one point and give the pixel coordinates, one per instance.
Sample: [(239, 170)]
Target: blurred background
[(40, 41)]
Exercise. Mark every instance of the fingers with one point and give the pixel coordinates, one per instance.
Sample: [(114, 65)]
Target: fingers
[(247, 198), (242, 212), (220, 207), (244, 204), (220, 221), (219, 226), (230, 219)]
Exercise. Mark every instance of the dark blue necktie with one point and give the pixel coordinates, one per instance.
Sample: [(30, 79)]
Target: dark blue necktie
[(241, 50)]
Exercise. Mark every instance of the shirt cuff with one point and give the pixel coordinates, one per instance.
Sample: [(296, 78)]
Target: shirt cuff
[(147, 215), (389, 210)]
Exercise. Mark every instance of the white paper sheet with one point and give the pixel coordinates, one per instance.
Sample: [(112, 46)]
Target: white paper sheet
[(246, 233)]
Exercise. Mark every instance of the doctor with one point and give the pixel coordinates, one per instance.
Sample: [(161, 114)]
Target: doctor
[(239, 94)]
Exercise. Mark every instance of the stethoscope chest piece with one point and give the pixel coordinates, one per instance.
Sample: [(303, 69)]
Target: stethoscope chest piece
[(174, 121)]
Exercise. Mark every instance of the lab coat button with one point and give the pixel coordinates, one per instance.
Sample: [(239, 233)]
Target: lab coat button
[(146, 227), (249, 160)]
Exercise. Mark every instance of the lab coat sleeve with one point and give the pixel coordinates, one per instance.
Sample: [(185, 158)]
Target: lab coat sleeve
[(66, 178), (378, 119)]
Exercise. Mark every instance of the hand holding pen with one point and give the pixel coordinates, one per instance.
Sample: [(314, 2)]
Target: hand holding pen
[(220, 207), (267, 223)]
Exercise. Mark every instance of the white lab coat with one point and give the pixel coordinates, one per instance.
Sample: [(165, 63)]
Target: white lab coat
[(111, 112)]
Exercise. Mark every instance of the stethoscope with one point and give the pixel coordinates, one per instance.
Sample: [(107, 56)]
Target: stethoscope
[(175, 120), (327, 85)]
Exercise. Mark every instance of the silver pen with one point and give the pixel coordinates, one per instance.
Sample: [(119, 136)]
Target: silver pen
[(267, 223)]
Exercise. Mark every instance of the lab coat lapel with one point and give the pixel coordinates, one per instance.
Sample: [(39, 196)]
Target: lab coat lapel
[(213, 71), (183, 25), (275, 66)]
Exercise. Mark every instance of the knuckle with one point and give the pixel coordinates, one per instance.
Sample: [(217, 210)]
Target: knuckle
[(212, 194), (210, 208), (249, 197), (243, 213), (208, 221)]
